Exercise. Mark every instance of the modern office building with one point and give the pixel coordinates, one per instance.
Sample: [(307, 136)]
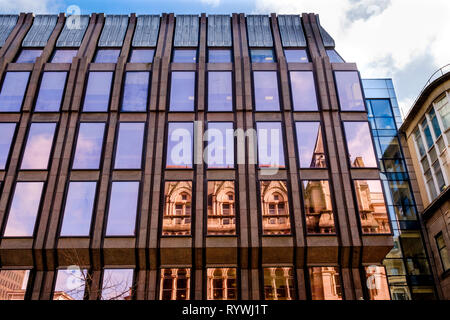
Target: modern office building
[(426, 134), (199, 157)]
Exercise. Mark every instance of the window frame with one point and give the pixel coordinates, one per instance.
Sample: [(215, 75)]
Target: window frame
[(24, 93), (205, 144), (86, 83), (39, 89), (349, 165), (116, 145), (440, 234), (363, 97), (148, 91), (324, 142), (232, 87), (169, 95), (236, 209), (316, 95), (283, 144), (166, 149), (253, 89), (75, 144), (162, 209), (9, 205), (64, 206), (52, 148), (108, 206)]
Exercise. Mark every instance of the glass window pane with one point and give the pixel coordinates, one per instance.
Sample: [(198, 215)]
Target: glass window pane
[(262, 55), (376, 283), (182, 91), (122, 212), (318, 207), (334, 57), (419, 142), (24, 209), (177, 208), (266, 91), (371, 206), (13, 284), (13, 91), (51, 91), (310, 145), (28, 55), (349, 91), (381, 108), (179, 145), (221, 284), (303, 90), (39, 146), (359, 144), (220, 93), (385, 123), (390, 147), (6, 136), (185, 55), (427, 133), (98, 91), (78, 210), (443, 252), (117, 284), (107, 56), (279, 284), (219, 55), (220, 150), (296, 55), (221, 208), (135, 91), (434, 123), (325, 283), (142, 55), (70, 284), (270, 145), (129, 145), (64, 56), (275, 207), (175, 284), (89, 145)]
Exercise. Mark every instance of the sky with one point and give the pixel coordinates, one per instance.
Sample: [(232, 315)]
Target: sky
[(406, 40)]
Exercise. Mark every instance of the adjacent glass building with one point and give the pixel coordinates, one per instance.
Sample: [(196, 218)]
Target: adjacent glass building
[(222, 157)]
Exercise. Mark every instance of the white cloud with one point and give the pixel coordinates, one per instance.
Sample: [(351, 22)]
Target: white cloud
[(213, 3), (382, 36), (35, 6)]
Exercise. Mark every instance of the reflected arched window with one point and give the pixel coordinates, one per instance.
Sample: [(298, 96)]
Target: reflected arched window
[(279, 283), (221, 208), (177, 208), (175, 284), (221, 283), (275, 207)]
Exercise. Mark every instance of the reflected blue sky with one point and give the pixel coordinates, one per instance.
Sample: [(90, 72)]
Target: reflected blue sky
[(129, 145), (89, 145), (6, 135), (122, 208), (51, 91), (78, 210), (24, 209), (39, 146)]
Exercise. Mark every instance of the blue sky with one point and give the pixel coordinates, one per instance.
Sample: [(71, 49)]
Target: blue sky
[(403, 40)]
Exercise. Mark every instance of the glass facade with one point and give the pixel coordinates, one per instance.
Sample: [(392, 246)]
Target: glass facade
[(407, 267), (63, 56), (28, 55), (270, 145), (220, 92), (182, 91), (6, 139), (303, 91), (296, 55), (266, 91), (107, 56), (122, 208), (142, 55), (177, 208), (184, 55), (39, 145), (89, 145), (129, 145), (219, 55)]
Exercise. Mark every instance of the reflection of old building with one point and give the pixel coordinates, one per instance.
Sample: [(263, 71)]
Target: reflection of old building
[(175, 284), (318, 207), (372, 208), (275, 207), (325, 283), (376, 283), (221, 208), (221, 283), (177, 208), (279, 284), (318, 157), (11, 284)]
